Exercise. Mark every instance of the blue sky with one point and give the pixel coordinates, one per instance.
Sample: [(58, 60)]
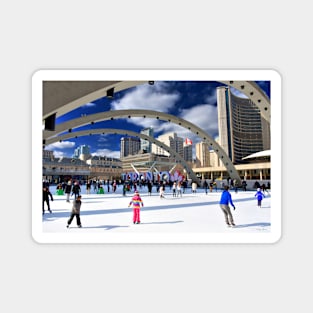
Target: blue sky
[(194, 101)]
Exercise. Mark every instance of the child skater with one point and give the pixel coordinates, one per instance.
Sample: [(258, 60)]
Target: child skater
[(136, 202), (75, 212), (259, 195)]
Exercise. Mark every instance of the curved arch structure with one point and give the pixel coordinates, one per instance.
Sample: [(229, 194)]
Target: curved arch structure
[(60, 97), (111, 115), (172, 152)]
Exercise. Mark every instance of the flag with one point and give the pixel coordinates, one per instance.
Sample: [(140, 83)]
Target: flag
[(188, 141)]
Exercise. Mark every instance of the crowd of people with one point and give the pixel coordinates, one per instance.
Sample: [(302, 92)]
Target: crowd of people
[(177, 188)]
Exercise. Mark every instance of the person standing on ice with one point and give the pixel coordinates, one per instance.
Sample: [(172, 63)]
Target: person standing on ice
[(161, 191), (45, 198), (259, 195), (68, 190), (75, 212), (225, 200), (136, 201)]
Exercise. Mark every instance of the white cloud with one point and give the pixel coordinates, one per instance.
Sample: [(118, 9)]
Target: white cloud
[(204, 116), (148, 97), (103, 138), (211, 97), (59, 154), (61, 145), (107, 152)]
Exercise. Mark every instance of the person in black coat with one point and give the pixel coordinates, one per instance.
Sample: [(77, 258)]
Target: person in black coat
[(68, 190), (45, 198), (76, 190)]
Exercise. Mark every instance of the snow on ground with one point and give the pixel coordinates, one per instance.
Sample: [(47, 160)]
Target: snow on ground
[(193, 213)]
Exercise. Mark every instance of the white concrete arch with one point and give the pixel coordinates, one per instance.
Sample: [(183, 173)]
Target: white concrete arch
[(111, 115), (172, 152)]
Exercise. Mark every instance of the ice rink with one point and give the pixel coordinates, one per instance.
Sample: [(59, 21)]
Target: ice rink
[(192, 217)]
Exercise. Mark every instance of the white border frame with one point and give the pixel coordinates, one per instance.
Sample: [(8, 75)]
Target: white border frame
[(160, 74)]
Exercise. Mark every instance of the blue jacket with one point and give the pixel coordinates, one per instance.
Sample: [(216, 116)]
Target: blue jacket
[(226, 198), (260, 195)]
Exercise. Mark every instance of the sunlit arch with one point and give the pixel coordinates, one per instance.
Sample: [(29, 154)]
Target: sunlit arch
[(172, 152), (111, 115), (61, 97)]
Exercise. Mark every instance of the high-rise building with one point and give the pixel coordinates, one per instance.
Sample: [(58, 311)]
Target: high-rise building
[(145, 145), (171, 140), (187, 152), (129, 146), (82, 152), (202, 154), (242, 129)]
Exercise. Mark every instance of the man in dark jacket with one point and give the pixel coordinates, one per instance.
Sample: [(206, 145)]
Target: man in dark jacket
[(76, 190), (45, 198), (68, 190)]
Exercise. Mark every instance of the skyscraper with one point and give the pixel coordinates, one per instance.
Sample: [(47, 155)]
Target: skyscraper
[(171, 140), (242, 130), (202, 154), (187, 152), (145, 145), (129, 146), (82, 152)]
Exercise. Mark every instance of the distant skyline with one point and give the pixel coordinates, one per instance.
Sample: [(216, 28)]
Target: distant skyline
[(194, 101)]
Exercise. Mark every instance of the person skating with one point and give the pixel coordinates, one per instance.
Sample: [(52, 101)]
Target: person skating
[(136, 202), (259, 195), (149, 187), (45, 198), (75, 212), (225, 200), (161, 191), (76, 190), (68, 190)]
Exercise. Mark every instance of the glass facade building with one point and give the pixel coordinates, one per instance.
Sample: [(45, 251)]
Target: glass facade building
[(242, 130)]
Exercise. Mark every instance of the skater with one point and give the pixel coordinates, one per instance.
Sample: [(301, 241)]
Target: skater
[(225, 200), (149, 187), (205, 186), (161, 191), (136, 201), (68, 189), (244, 185), (179, 189), (76, 190), (174, 189), (75, 212), (259, 195), (124, 188), (88, 187), (45, 198), (194, 187)]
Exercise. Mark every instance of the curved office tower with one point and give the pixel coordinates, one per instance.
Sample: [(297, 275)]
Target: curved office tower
[(242, 130)]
